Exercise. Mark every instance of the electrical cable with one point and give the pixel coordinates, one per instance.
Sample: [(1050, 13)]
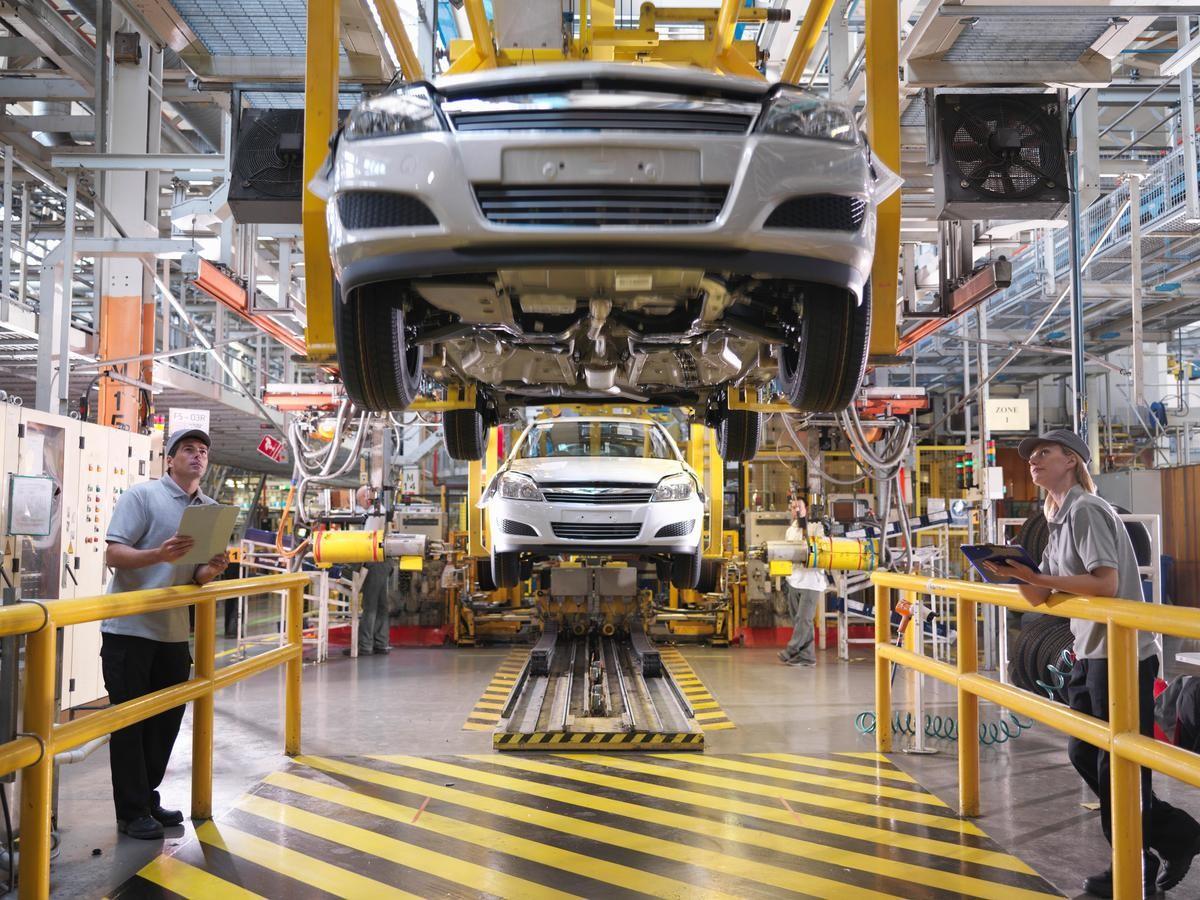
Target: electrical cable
[(991, 734)]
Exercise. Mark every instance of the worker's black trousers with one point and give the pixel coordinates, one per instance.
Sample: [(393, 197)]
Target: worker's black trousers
[(138, 755), (1168, 831)]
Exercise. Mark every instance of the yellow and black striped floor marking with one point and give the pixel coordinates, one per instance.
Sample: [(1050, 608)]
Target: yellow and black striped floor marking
[(607, 740), (709, 714), (486, 713), (590, 825)]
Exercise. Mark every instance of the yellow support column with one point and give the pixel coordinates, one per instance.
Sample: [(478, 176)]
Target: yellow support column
[(806, 40), (202, 711), (883, 126), (883, 675), (37, 780), (1125, 774), (968, 712), (295, 667), (604, 20), (393, 26), (481, 34), (320, 119), (716, 496)]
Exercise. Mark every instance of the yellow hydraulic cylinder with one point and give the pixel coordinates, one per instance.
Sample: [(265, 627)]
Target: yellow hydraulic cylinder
[(833, 553), (331, 547)]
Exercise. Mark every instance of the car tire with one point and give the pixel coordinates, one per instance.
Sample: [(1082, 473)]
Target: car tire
[(710, 574), (685, 570), (662, 569), (465, 434), (821, 372), (483, 576), (379, 366), (737, 434), (506, 569)]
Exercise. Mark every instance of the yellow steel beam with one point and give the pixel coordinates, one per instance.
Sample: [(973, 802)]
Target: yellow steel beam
[(730, 62), (320, 119), (806, 40), (649, 14), (481, 33), (883, 126), (723, 31), (393, 27), (604, 20), (716, 496)]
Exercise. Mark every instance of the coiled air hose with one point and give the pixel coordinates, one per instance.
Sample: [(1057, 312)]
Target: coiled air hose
[(946, 728)]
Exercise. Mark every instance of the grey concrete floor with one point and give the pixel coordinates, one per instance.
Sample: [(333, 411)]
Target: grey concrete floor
[(414, 701)]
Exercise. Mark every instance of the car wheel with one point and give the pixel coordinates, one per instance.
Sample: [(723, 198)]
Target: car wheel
[(710, 574), (506, 569), (737, 434), (821, 372), (465, 434), (685, 570), (662, 568), (483, 575), (379, 366)]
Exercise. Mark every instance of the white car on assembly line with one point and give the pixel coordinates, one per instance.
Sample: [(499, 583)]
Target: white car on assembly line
[(600, 232), (608, 485)]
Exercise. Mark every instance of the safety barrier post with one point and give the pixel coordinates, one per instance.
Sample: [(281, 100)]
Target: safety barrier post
[(968, 710), (295, 624), (1126, 805), (883, 675), (37, 780), (202, 711)]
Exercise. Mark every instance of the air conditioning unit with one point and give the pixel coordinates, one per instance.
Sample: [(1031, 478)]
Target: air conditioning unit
[(266, 184), (1000, 156)]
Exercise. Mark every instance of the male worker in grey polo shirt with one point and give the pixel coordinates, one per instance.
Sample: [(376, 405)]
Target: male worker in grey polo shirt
[(145, 653)]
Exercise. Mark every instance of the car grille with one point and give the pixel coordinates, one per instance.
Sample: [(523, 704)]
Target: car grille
[(509, 526), (826, 212), (596, 531), (380, 209), (607, 496), (598, 205), (678, 529), (656, 120)]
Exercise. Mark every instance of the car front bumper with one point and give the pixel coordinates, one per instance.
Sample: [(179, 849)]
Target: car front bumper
[(443, 169), (595, 526)]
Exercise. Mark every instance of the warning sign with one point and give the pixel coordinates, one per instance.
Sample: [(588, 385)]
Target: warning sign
[(271, 447)]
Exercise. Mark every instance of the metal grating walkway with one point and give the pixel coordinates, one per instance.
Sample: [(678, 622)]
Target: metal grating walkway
[(590, 825)]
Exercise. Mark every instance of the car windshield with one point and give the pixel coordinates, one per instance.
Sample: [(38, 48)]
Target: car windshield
[(586, 438)]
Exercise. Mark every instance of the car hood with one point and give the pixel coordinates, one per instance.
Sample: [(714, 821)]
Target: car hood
[(602, 470)]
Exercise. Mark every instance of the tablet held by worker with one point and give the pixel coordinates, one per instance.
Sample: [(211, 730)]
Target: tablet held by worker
[(979, 555)]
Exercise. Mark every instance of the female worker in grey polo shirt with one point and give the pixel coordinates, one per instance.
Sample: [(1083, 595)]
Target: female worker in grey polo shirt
[(1089, 553)]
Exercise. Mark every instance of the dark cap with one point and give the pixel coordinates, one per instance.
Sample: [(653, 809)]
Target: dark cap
[(183, 434), (1062, 436)]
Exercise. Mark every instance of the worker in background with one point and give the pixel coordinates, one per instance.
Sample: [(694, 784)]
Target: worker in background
[(803, 589), (373, 626), (1089, 553), (145, 653)]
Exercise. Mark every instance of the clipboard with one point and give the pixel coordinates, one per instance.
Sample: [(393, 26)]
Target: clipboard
[(211, 527), (977, 554)]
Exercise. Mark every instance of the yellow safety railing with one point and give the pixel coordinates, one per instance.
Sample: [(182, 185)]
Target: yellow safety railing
[(41, 739), (1120, 736)]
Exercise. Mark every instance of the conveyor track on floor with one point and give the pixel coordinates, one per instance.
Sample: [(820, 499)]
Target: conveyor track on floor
[(590, 690)]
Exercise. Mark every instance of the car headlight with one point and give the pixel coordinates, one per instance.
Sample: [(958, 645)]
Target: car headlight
[(408, 111), (796, 113), (674, 487), (519, 487)]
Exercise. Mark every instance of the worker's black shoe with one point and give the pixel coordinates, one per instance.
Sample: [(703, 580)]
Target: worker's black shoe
[(144, 828), (1102, 885), (167, 817), (1175, 868)]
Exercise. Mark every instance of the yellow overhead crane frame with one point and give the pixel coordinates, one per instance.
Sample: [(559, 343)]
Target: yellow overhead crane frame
[(599, 39)]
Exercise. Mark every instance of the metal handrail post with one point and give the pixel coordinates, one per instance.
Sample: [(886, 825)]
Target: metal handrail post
[(202, 711), (883, 679), (295, 623), (1126, 800), (37, 780), (968, 710)]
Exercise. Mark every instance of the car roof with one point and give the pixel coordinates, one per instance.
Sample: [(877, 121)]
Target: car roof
[(632, 420)]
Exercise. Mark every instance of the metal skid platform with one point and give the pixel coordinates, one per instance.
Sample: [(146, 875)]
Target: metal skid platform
[(583, 691), (594, 678)]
